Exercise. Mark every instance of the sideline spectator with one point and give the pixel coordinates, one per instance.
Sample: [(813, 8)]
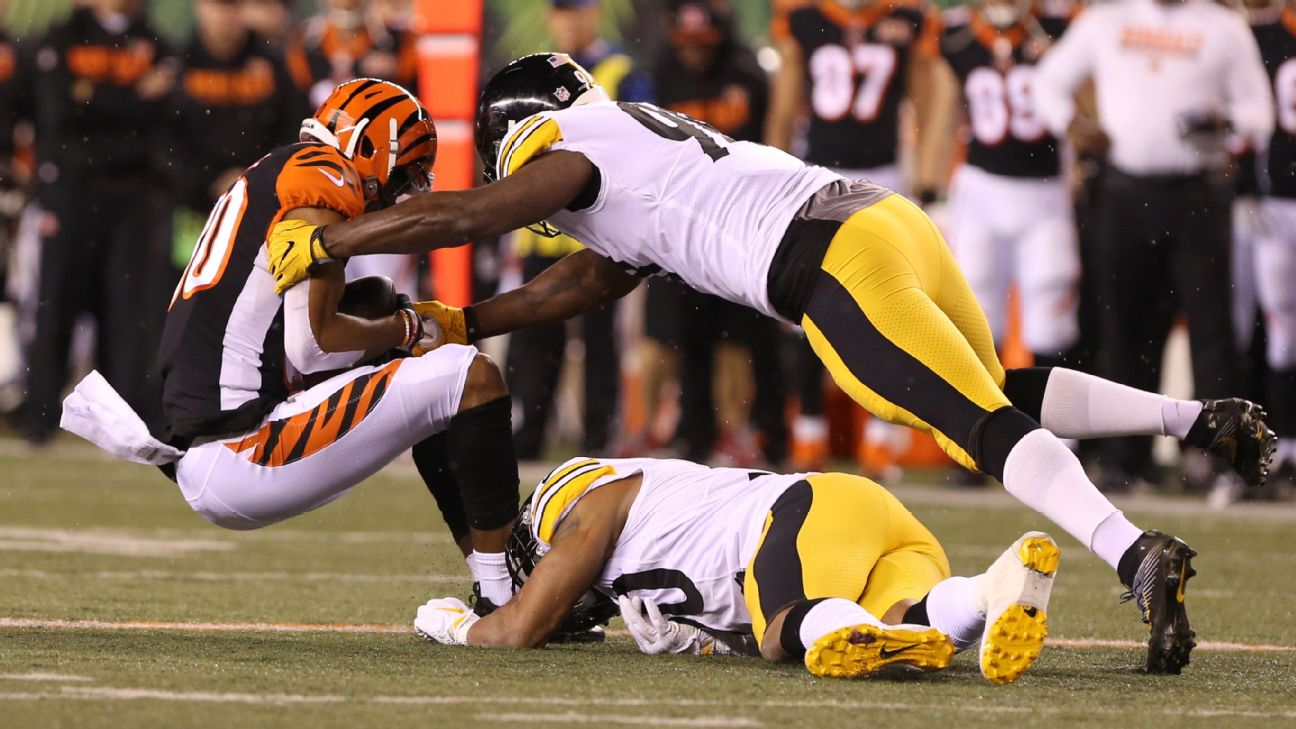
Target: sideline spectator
[(706, 73), (100, 84), (1172, 78), (536, 355)]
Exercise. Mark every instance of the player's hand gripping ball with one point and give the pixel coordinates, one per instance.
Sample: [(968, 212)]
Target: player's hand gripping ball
[(292, 249), (444, 620), (441, 325)]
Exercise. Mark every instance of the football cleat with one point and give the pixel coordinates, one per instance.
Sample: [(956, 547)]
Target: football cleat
[(863, 650), (1157, 588), (1234, 430), (1014, 595), (481, 606)]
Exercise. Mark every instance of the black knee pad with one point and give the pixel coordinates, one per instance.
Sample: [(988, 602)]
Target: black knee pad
[(484, 463), (1025, 389), (995, 435)]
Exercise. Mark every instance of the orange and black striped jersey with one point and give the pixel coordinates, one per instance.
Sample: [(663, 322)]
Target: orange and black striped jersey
[(222, 356), (856, 69)]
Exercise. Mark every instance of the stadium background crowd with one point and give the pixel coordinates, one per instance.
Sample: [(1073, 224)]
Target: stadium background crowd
[(122, 121)]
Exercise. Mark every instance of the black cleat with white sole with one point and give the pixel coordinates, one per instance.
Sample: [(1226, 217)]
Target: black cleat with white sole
[(1161, 566), (1234, 430)]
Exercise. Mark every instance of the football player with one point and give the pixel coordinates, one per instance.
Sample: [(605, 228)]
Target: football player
[(1275, 247), (245, 446), (827, 568), (861, 269), (1011, 219)]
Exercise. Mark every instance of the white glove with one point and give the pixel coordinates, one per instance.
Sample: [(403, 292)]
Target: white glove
[(445, 620), (654, 634)]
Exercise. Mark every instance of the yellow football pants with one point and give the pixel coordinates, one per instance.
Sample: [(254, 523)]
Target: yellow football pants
[(900, 330), (839, 535)]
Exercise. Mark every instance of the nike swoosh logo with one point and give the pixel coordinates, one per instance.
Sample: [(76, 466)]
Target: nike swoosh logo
[(885, 654), (1179, 594), (335, 180)]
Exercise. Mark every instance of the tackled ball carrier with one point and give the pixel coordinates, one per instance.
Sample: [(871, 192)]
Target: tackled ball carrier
[(246, 443), (861, 269)]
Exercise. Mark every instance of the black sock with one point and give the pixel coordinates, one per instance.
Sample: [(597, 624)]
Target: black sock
[(1025, 389), (482, 458), (433, 464), (1129, 562), (790, 636), (917, 613), (995, 435)]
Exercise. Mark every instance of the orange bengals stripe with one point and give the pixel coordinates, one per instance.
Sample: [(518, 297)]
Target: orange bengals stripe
[(281, 442)]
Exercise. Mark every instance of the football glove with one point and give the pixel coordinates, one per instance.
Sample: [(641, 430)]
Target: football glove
[(445, 620), (655, 635), (441, 325), (292, 249)]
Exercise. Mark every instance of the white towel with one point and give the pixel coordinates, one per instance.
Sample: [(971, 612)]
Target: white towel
[(97, 413)]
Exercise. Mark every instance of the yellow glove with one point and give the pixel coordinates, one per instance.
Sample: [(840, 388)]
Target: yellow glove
[(293, 248), (441, 325)]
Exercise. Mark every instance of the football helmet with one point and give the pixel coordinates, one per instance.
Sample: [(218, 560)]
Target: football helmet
[(528, 85), (385, 132), (521, 554)]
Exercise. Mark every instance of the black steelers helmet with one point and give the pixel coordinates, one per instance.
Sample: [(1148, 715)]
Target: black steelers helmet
[(528, 85)]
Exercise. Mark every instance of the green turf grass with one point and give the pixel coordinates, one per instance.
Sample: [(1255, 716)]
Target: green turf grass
[(83, 538)]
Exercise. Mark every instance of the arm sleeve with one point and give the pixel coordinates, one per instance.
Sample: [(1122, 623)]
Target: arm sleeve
[(1250, 99), (1066, 65), (300, 347)]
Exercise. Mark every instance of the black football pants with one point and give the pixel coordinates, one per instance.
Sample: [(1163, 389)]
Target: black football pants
[(535, 358), (105, 254), (1162, 248)]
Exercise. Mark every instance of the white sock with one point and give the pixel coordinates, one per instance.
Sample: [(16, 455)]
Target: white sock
[(1178, 416), (833, 614), (1113, 537), (1078, 405), (491, 574), (952, 609), (1048, 478)]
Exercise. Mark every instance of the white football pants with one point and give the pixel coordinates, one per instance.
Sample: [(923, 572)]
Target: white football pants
[(1275, 273), (1006, 230), (324, 441)]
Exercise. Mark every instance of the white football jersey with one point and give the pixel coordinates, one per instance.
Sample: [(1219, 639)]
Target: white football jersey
[(675, 196), (688, 538)]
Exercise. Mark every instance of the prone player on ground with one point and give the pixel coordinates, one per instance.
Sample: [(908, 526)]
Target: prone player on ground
[(247, 448), (861, 269), (828, 568)]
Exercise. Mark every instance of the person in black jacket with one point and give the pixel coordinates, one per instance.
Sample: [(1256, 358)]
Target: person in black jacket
[(99, 86), (707, 74), (233, 103)]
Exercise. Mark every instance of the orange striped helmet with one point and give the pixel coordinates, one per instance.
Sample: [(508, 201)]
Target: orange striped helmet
[(384, 131)]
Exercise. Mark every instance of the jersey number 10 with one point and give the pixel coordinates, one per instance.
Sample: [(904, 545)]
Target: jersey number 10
[(678, 127)]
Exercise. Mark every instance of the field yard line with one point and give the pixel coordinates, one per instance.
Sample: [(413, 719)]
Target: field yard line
[(38, 676), (249, 627), (91, 693), (572, 717), (204, 627), (234, 576)]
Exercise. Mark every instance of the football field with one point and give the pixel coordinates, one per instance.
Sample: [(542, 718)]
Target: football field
[(119, 607)]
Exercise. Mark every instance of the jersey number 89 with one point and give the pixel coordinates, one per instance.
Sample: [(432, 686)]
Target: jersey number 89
[(999, 104)]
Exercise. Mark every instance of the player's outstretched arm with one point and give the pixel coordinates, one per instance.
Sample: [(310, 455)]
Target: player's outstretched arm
[(447, 219), (579, 282), (582, 544)]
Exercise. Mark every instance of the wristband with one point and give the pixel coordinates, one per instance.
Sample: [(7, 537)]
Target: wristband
[(319, 253)]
